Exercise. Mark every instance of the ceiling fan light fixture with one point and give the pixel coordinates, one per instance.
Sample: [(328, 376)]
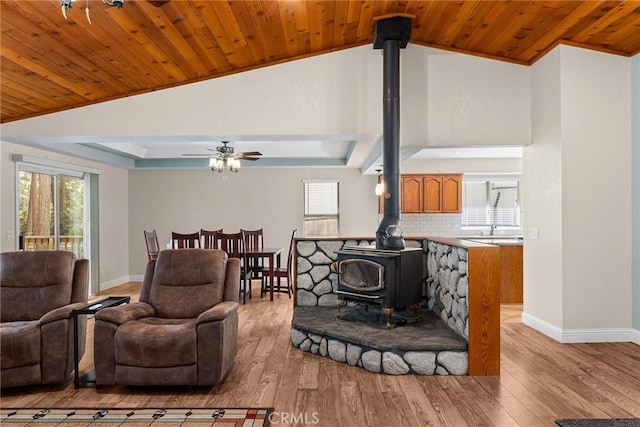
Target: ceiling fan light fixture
[(224, 164), (114, 3)]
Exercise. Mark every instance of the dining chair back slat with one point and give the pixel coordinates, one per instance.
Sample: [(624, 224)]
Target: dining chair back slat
[(208, 238), (184, 241), (151, 240)]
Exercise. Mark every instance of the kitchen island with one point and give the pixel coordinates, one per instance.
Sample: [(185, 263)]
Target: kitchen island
[(463, 288), (511, 266)]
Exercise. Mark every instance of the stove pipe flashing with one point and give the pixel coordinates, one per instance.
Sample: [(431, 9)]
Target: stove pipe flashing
[(391, 35)]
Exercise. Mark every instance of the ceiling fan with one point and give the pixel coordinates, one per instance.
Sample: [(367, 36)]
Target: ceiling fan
[(226, 159)]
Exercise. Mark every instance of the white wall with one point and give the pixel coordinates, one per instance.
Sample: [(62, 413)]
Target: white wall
[(471, 101), (577, 182), (635, 185), (596, 188), (465, 166), (446, 99), (271, 199), (542, 195), (114, 209), (334, 93)]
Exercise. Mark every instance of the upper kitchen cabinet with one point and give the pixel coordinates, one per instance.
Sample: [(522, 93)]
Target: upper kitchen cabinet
[(411, 193), (451, 193), (432, 193)]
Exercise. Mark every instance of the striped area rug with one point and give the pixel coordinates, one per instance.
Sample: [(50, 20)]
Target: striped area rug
[(136, 417)]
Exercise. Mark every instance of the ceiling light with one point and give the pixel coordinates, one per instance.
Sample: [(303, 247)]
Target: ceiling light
[(67, 4), (380, 185), (221, 164), (114, 3)]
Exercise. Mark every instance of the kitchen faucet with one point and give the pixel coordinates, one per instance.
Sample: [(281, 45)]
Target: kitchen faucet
[(491, 229)]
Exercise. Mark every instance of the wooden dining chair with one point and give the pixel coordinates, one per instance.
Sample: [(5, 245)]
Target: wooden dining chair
[(208, 239), (282, 272), (233, 245), (253, 239), (184, 241), (151, 239)]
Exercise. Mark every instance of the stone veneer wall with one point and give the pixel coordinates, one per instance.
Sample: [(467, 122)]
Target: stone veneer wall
[(316, 283), (447, 285)]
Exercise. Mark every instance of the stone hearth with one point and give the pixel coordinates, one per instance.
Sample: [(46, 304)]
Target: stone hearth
[(360, 338)]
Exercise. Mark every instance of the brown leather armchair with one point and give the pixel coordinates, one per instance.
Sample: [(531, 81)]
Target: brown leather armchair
[(183, 330), (38, 292)]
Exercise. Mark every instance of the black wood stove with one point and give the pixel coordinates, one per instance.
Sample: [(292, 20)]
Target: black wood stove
[(391, 279)]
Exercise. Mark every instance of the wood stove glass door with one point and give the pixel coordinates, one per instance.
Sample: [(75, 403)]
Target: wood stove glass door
[(361, 275)]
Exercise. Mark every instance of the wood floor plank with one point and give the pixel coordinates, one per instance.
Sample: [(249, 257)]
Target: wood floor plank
[(375, 408), (351, 407), (329, 408), (429, 404), (395, 401), (474, 392), (541, 380)]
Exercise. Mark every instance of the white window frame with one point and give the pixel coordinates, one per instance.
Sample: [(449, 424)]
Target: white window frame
[(308, 217), (27, 163), (488, 180)]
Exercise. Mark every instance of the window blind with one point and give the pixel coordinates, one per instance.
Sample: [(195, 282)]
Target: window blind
[(321, 217), (487, 202)]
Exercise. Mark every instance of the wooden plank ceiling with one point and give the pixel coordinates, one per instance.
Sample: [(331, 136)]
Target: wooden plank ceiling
[(51, 64)]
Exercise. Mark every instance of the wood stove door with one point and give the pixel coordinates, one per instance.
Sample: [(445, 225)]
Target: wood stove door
[(361, 275)]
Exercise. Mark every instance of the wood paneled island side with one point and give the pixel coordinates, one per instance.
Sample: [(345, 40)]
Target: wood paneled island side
[(482, 294)]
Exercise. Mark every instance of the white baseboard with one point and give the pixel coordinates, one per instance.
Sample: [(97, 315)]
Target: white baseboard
[(581, 335), (120, 281)]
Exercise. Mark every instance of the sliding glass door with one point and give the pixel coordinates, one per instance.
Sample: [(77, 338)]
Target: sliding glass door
[(52, 211)]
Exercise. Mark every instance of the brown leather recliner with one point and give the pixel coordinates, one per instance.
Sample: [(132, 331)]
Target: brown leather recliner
[(38, 292), (183, 330)]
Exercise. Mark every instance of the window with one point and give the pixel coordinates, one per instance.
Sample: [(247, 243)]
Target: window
[(321, 208), (491, 202)]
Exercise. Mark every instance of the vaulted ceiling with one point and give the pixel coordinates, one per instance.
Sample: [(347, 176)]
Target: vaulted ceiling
[(51, 64)]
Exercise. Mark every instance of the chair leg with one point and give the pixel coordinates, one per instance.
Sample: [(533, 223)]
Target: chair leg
[(263, 285)]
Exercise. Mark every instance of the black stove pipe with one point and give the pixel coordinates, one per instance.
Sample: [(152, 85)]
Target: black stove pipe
[(392, 34), (391, 138)]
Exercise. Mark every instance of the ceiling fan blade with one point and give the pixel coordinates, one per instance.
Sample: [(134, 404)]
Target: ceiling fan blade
[(158, 3), (253, 159), (250, 153)]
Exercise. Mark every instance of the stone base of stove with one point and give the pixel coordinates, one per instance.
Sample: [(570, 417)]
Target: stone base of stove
[(425, 347)]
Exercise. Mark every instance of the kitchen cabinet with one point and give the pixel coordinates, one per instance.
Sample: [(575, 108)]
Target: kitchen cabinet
[(411, 194), (431, 193), (511, 274)]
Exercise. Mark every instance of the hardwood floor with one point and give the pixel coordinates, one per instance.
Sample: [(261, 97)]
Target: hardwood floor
[(541, 381)]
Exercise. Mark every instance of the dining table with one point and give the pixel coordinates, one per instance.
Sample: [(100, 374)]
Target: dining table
[(273, 255)]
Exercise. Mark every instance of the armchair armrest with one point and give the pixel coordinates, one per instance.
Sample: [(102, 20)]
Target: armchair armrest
[(59, 313), (125, 313), (218, 312)]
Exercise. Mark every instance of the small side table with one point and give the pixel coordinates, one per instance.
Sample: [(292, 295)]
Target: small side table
[(89, 378)]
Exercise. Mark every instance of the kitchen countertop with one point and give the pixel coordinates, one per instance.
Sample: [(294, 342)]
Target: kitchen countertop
[(501, 241), (470, 242)]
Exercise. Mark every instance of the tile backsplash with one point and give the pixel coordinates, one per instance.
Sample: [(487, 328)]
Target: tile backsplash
[(431, 224), (420, 225)]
